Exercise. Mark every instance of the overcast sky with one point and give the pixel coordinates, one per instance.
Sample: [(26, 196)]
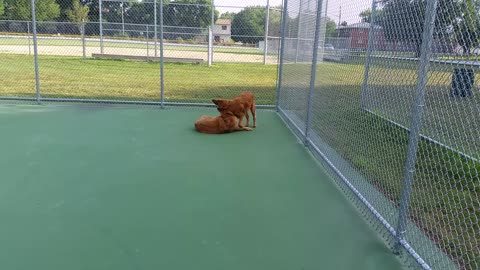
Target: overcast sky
[(350, 8)]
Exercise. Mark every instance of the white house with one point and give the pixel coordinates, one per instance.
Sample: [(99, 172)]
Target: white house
[(222, 31)]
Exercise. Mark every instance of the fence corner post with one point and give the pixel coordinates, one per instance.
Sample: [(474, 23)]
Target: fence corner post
[(298, 30), (282, 55), (265, 41), (313, 74), (368, 55), (162, 77), (35, 52), (416, 123), (210, 35), (155, 25)]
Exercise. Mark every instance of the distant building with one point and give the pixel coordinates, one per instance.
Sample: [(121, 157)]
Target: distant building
[(358, 35), (222, 31)]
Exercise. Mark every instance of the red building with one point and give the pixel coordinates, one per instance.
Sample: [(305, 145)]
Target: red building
[(358, 35)]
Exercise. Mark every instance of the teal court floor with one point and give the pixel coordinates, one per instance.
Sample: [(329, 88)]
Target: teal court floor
[(85, 187)]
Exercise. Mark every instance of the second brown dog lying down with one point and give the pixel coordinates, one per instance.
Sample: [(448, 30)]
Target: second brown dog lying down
[(225, 123)]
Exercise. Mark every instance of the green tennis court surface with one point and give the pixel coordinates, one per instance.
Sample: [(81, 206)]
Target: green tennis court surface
[(129, 188)]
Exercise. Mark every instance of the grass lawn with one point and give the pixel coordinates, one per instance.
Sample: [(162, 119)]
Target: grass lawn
[(445, 199), (72, 77), (124, 44)]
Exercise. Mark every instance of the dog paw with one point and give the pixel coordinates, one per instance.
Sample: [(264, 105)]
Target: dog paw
[(248, 129)]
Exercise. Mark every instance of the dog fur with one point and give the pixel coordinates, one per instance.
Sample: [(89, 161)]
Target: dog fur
[(225, 123), (239, 106)]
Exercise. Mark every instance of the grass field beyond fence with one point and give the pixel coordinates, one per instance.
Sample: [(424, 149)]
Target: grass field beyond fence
[(131, 44), (72, 77)]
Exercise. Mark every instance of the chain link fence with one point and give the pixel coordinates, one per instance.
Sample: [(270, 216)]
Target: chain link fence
[(178, 52), (389, 100)]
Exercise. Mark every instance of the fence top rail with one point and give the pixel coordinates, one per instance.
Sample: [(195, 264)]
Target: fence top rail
[(240, 7), (108, 23), (474, 63)]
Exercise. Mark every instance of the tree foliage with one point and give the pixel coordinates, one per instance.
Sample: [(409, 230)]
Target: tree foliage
[(227, 15), (366, 15), (466, 27), (2, 8), (331, 27), (248, 25), (46, 10), (189, 13), (78, 13), (457, 20), (403, 22)]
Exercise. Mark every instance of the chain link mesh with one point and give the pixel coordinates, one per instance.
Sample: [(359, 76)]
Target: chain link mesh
[(17, 80), (210, 49), (367, 94)]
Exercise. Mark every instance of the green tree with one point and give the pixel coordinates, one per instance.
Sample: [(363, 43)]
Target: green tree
[(78, 14), (65, 5), (331, 27), (275, 22), (227, 15), (466, 26), (248, 25), (403, 20), (139, 13), (46, 10), (194, 14), (466, 33), (2, 8), (189, 13), (366, 15)]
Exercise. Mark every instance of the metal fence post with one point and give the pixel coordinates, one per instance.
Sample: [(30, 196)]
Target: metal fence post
[(28, 37), (416, 121), (282, 54), (101, 24), (83, 39), (148, 49), (265, 41), (162, 79), (210, 47), (370, 47), (210, 35), (35, 51), (298, 30), (155, 24), (123, 20), (313, 73)]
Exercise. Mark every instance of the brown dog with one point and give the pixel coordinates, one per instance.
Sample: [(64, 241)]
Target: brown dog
[(239, 106), (225, 123)]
